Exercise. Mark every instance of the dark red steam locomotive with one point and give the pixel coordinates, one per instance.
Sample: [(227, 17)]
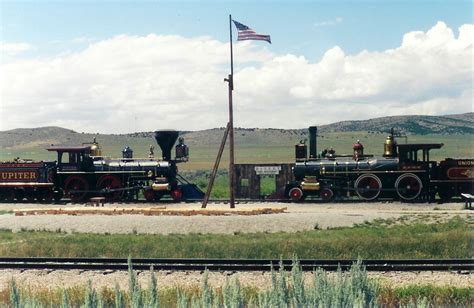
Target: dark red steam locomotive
[(81, 172)]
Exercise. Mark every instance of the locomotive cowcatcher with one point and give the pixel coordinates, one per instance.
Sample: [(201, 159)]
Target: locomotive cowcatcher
[(81, 172), (404, 172)]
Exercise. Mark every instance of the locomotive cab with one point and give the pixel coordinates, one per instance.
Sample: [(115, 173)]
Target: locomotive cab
[(73, 158), (416, 155)]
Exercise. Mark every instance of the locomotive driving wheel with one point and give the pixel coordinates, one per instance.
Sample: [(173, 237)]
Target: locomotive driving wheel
[(5, 194), (295, 194), (45, 195), (176, 195), (149, 195), (76, 187), (326, 194), (31, 195), (111, 186), (408, 186), (19, 194), (368, 186)]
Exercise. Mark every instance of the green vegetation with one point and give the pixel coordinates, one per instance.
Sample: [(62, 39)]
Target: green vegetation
[(252, 145), (376, 240), (220, 189), (435, 295), (351, 289)]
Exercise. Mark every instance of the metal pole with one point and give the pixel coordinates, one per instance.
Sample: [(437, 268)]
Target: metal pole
[(231, 122)]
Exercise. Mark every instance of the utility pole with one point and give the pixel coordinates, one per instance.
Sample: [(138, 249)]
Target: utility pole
[(230, 82), (228, 132)]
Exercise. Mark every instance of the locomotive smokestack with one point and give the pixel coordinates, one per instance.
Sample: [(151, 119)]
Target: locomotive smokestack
[(166, 140), (313, 132)]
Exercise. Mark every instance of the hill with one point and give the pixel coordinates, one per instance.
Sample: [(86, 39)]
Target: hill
[(412, 125), (27, 138)]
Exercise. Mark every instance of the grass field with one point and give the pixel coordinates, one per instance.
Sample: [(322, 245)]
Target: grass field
[(376, 240), (202, 155)]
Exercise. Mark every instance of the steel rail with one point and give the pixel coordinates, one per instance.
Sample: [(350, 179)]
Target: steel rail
[(232, 264)]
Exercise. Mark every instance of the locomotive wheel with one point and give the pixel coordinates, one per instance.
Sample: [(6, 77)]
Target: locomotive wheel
[(408, 186), (295, 194), (176, 195), (368, 186), (45, 195), (149, 195), (31, 195), (9, 195), (326, 194), (75, 187), (4, 193), (58, 194), (110, 182), (19, 194)]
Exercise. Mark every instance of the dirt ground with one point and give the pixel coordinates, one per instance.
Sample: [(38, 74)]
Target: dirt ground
[(297, 217)]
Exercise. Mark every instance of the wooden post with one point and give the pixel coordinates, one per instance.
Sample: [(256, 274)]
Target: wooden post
[(214, 170)]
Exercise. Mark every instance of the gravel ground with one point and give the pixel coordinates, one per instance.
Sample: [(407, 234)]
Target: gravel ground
[(38, 279), (298, 217)]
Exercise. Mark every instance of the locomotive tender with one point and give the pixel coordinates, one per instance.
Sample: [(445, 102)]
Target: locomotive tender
[(404, 172), (81, 172)]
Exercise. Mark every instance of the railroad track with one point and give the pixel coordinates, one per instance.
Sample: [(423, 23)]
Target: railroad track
[(232, 264)]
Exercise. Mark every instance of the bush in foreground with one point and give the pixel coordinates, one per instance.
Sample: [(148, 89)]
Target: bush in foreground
[(349, 289)]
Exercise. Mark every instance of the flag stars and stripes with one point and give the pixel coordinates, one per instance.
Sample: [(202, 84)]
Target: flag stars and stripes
[(245, 33)]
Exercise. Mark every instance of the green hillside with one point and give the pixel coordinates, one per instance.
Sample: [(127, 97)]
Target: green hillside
[(258, 145)]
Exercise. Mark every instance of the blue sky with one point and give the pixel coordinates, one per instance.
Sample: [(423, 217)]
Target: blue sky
[(307, 28), (94, 65)]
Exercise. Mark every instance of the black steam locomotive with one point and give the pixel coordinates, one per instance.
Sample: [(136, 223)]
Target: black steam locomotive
[(404, 172), (81, 172)]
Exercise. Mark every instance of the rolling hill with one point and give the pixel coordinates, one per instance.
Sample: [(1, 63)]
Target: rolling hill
[(411, 125)]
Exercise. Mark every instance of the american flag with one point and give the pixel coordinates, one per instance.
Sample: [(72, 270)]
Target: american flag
[(245, 33)]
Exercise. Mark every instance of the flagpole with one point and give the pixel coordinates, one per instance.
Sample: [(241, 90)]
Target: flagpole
[(231, 122)]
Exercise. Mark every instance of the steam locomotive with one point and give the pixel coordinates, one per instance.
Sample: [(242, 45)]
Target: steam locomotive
[(404, 172), (81, 172)]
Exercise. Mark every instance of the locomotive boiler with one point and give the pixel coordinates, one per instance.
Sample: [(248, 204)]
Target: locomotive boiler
[(82, 171), (404, 172)]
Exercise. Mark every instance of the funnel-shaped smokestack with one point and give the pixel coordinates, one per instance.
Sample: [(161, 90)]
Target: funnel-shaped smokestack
[(166, 140), (313, 133)]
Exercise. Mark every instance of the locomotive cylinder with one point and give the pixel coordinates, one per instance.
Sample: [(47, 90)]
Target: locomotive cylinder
[(313, 131)]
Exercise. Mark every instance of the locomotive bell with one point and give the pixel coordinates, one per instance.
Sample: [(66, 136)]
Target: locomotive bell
[(95, 148), (389, 147)]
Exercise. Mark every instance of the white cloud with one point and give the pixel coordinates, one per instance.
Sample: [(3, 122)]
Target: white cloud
[(12, 49), (132, 83), (331, 22), (83, 40)]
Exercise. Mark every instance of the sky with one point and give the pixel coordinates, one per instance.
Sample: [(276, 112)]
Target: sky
[(127, 66)]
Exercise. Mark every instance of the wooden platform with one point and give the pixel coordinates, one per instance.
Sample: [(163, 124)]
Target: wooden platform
[(147, 211)]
